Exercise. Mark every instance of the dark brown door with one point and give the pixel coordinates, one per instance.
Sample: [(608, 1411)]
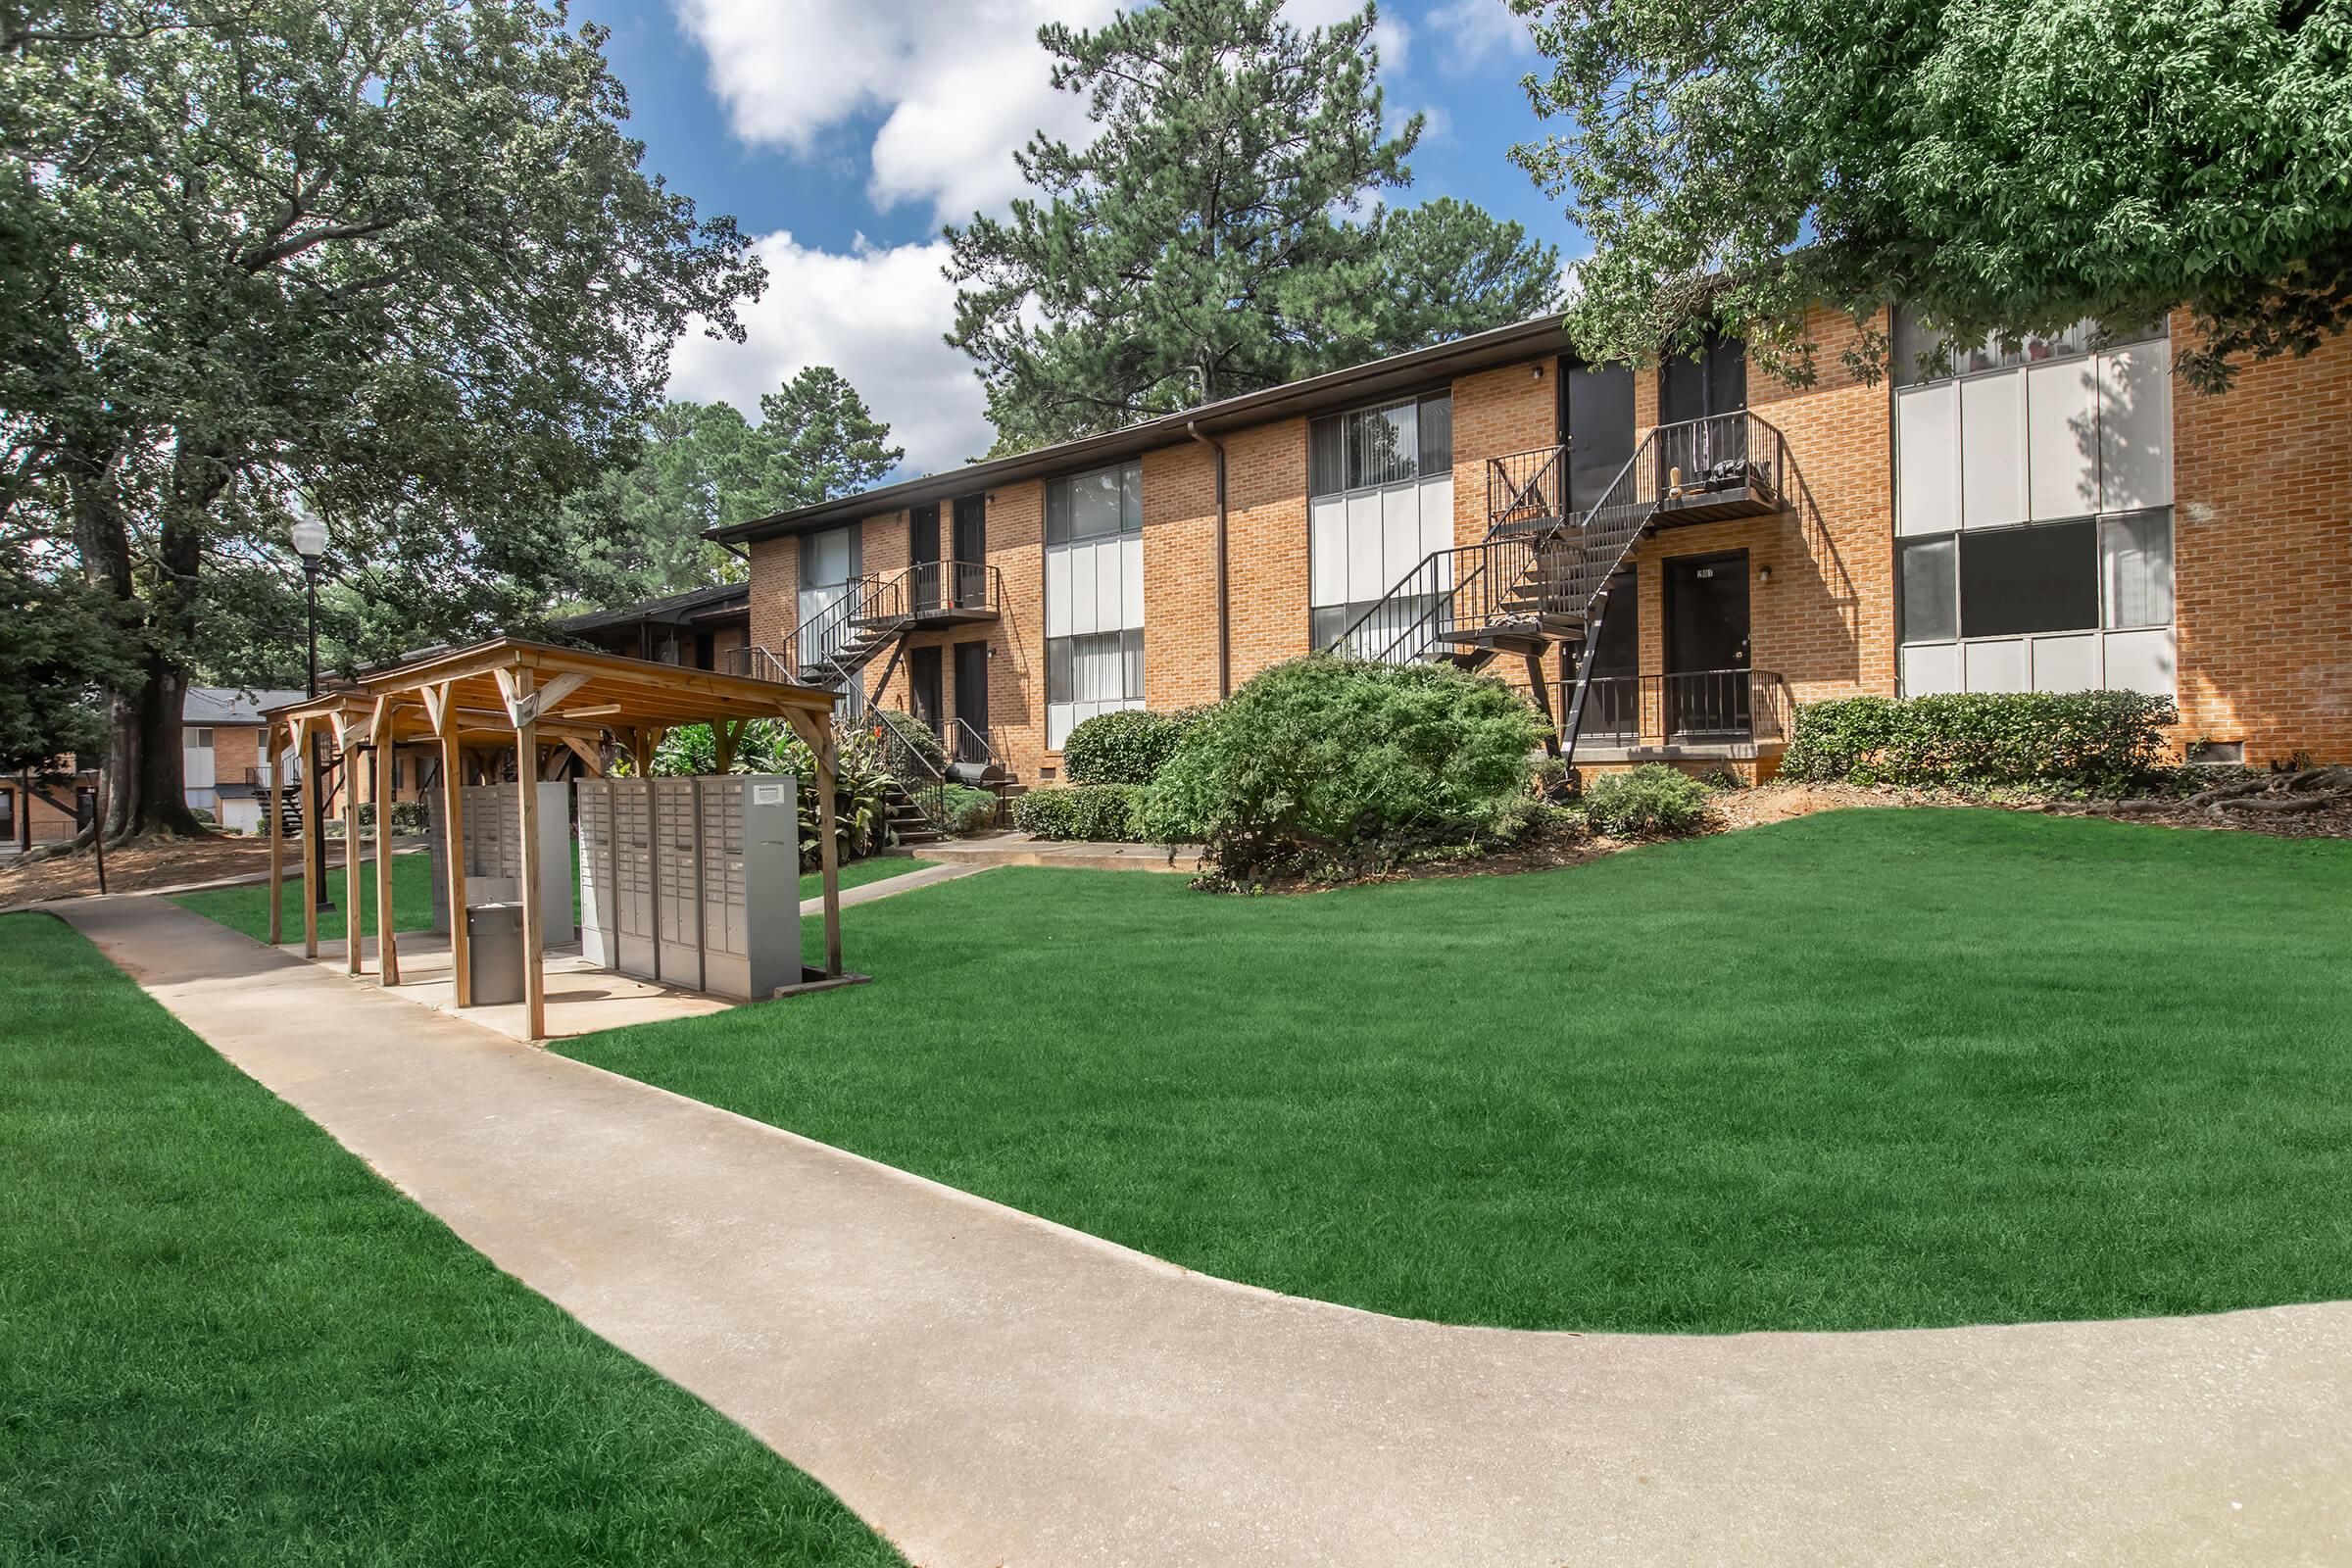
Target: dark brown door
[(971, 686), (922, 548), (1706, 646), (971, 550), (923, 687)]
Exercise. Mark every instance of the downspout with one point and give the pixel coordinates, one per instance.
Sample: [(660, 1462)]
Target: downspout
[(1224, 618)]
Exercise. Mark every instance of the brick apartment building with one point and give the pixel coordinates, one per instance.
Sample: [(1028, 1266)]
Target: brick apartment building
[(2059, 517)]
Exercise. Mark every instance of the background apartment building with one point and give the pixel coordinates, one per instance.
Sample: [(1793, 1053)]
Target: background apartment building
[(2056, 516)]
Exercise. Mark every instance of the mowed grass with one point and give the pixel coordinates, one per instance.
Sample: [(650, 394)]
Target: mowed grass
[(246, 909), (1860, 1070), (222, 1340)]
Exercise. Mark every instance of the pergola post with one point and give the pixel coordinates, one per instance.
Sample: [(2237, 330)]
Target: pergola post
[(442, 714), (387, 942), (534, 954), (314, 802), (275, 824), (828, 852), (347, 757)]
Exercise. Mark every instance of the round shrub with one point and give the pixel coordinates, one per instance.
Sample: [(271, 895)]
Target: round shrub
[(969, 809), (1127, 747), (1336, 762), (1102, 813), (1647, 801)]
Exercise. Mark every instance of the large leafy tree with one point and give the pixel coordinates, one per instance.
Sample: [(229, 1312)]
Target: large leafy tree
[(2002, 164), (394, 254), (1217, 234), (705, 465)]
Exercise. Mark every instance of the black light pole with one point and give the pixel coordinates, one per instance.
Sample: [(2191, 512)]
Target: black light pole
[(310, 543)]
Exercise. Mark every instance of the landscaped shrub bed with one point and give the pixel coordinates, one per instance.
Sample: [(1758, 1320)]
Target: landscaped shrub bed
[(1652, 801), (1099, 812), (1128, 747), (969, 809), (2102, 743), (1334, 767)]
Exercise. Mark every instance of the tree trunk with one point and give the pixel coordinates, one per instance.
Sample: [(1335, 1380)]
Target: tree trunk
[(147, 791)]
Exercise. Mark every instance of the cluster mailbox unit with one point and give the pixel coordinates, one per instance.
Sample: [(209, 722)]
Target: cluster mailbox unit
[(493, 850), (693, 882)]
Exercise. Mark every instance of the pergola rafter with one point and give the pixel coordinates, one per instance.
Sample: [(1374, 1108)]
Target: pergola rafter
[(510, 693)]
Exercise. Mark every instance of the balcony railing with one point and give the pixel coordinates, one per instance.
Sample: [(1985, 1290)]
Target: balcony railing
[(1687, 707)]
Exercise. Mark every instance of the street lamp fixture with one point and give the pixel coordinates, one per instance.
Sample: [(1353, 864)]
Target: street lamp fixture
[(309, 535)]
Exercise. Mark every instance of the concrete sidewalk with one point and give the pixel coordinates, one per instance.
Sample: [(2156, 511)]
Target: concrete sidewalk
[(990, 1389)]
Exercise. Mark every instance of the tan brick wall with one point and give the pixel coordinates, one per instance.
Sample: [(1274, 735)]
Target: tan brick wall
[(775, 573), (883, 545), (1180, 576), (2261, 546), (1495, 413), (1016, 667), (1267, 538)]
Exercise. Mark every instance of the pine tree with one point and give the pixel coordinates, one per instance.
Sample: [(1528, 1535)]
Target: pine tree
[(1216, 235)]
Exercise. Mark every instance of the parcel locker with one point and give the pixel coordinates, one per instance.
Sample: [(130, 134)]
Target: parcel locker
[(595, 872), (677, 881), (633, 944), (493, 850), (751, 885)]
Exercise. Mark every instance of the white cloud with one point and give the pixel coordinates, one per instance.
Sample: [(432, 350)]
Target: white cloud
[(959, 85), (1473, 32), (874, 315)]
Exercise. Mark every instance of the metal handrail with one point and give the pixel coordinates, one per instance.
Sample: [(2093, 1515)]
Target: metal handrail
[(1524, 488), (1681, 705), (922, 781)]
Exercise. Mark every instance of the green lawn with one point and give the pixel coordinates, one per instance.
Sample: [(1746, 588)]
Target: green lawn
[(1862, 1069), (222, 1340), (247, 910)]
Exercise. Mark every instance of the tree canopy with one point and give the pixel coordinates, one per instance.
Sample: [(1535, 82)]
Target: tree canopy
[(705, 465), (1221, 232), (2001, 165), (396, 256)]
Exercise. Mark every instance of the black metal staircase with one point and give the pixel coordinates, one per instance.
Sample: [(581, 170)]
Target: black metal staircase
[(1540, 578)]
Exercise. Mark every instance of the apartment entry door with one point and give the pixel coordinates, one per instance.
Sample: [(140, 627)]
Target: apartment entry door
[(922, 548), (971, 539), (971, 687), (923, 687), (1706, 647)]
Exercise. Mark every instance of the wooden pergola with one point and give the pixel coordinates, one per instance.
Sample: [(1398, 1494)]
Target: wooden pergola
[(509, 694)]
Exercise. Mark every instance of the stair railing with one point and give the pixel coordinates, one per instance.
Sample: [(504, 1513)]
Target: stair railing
[(1527, 487), (920, 780)]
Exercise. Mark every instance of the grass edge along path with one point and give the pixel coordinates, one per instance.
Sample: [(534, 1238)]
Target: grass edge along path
[(1864, 1069), (224, 1340)]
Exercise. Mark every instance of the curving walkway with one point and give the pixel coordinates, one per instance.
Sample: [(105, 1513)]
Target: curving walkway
[(987, 1387)]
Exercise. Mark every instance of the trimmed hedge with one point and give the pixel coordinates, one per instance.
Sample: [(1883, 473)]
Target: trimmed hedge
[(2075, 742), (1127, 747), (1650, 801), (1103, 814), (408, 816), (1336, 767)]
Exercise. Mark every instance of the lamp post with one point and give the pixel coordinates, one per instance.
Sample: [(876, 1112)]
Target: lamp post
[(310, 543)]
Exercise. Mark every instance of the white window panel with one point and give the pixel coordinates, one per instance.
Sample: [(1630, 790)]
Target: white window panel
[(2142, 661), (1058, 593), (1927, 443), (1107, 576), (1930, 668), (1131, 580), (1996, 667), (2066, 664), (2062, 439), (2135, 428), (1400, 531), (1364, 579), (1992, 451), (1437, 514), (1327, 551)]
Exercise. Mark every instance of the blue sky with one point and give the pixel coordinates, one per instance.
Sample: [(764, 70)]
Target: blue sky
[(842, 134)]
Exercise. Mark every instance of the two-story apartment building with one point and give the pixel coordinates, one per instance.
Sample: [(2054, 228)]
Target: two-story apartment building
[(2055, 518)]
